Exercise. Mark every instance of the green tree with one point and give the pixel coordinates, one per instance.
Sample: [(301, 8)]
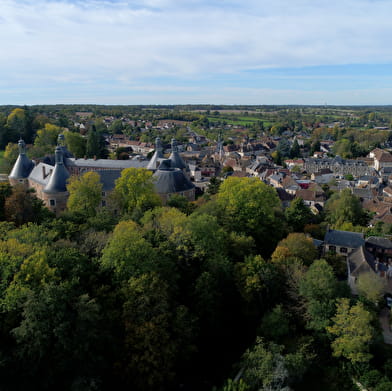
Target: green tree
[(127, 253), (46, 140), (352, 331), (10, 155), (371, 286), (264, 367), (298, 215), (135, 190), (85, 193), (95, 146), (149, 320), (76, 144), (344, 207), (320, 288), (250, 207)]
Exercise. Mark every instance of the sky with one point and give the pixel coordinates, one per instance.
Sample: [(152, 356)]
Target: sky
[(251, 52)]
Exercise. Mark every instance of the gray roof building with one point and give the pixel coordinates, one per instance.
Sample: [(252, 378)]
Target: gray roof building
[(344, 238)]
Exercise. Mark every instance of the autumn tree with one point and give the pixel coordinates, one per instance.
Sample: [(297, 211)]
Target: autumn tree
[(135, 190), (85, 193), (296, 245), (352, 331)]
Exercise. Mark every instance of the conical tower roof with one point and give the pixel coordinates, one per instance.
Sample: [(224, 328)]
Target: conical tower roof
[(23, 165), (168, 180), (158, 154), (58, 179), (175, 158)]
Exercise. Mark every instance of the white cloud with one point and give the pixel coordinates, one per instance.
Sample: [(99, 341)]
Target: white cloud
[(93, 40)]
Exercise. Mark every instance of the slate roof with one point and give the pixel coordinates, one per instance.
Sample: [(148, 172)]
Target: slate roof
[(58, 179), (37, 174), (169, 180), (158, 155), (379, 241), (175, 158), (105, 163), (108, 178), (360, 261), (344, 238), (23, 165)]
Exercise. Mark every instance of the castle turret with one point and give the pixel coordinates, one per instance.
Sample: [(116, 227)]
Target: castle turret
[(169, 181), (22, 167), (58, 180), (55, 192), (158, 155), (176, 160)]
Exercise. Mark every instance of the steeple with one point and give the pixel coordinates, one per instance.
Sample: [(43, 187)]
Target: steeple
[(58, 179), (23, 165), (158, 154), (175, 158)]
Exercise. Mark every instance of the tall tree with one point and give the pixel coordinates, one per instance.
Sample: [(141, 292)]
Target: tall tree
[(135, 190), (85, 193), (352, 330), (249, 206), (344, 207)]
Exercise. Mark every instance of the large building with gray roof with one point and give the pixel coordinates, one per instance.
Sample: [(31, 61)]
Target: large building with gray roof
[(49, 179)]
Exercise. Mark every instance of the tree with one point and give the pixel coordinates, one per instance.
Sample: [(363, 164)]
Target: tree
[(76, 144), (296, 245), (249, 206), (257, 280), (371, 286), (23, 206), (264, 367), (352, 331), (320, 288), (95, 146), (298, 215), (344, 207), (85, 193), (135, 190), (46, 140), (214, 185), (127, 253), (150, 349), (295, 151), (10, 155), (15, 125)]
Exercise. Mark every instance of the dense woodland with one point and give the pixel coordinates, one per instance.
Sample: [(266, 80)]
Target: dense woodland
[(226, 293), (184, 296)]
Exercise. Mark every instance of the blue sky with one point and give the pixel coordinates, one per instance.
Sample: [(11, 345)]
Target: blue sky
[(196, 51)]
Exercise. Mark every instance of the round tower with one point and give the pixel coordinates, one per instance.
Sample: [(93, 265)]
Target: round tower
[(22, 167), (55, 192)]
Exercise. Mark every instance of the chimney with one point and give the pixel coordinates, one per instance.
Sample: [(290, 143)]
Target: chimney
[(43, 172), (95, 157)]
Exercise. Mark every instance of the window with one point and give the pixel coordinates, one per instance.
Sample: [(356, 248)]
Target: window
[(332, 248), (103, 203), (103, 194), (343, 250), (52, 202)]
